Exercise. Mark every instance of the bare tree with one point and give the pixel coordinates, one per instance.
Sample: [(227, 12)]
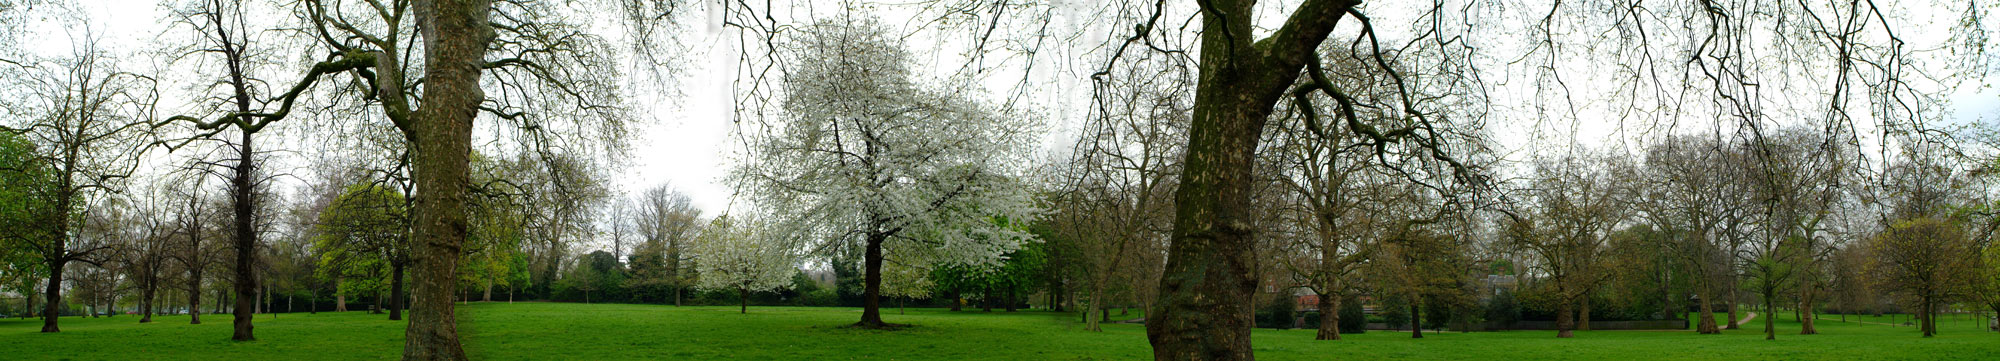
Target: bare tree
[(88, 118)]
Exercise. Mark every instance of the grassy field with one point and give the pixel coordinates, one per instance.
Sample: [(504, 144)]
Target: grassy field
[(559, 331)]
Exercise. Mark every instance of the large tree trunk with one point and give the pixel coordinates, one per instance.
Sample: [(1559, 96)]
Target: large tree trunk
[(1707, 322), (1204, 302), (1806, 315), (488, 295), (1329, 317), (396, 292), (52, 299), (1583, 314), (1094, 307), (1929, 312), (1565, 319), (455, 35), (871, 295)]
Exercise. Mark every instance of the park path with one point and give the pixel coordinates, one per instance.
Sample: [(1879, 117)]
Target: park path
[(1747, 316)]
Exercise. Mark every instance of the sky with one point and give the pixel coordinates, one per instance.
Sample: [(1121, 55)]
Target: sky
[(686, 139)]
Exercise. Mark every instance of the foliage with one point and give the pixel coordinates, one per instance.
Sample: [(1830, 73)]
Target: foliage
[(360, 236), (743, 253)]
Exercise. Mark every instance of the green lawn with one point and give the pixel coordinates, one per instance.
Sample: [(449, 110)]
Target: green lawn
[(546, 331)]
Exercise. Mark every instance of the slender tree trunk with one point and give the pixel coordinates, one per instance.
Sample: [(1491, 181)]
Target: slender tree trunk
[(745, 297), (194, 299), (871, 298), (1734, 311), (53, 295), (245, 231), (488, 295), (1094, 307), (396, 292)]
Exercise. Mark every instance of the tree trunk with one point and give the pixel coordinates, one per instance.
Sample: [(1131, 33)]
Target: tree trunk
[(1416, 319), (1806, 316), (956, 302), (745, 296), (1204, 307), (455, 34), (1929, 311), (1329, 317), (52, 299), (1092, 308), (194, 298), (146, 302), (245, 231), (488, 295), (1583, 314), (339, 302), (1770, 327), (396, 292), (1707, 323), (1565, 319), (871, 296), (1733, 309)]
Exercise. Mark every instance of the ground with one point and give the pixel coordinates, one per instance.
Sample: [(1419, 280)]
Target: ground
[(546, 331)]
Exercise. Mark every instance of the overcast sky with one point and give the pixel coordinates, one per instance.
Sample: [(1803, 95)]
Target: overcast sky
[(687, 138)]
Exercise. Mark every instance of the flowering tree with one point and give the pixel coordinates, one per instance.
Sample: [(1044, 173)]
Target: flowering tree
[(865, 156), (745, 255)]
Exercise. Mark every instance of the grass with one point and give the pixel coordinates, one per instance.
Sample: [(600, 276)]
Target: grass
[(561, 331)]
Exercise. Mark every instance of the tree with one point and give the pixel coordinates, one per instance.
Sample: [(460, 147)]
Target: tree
[(88, 119), (867, 157), (1692, 190), (667, 221), (744, 254), (1577, 200), (1929, 261), (223, 32), (363, 241), (24, 206)]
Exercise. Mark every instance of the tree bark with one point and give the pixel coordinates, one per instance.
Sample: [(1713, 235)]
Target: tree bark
[(1733, 309), (1329, 317), (455, 35), (396, 292), (871, 295), (1707, 323), (146, 302), (194, 298), (245, 232), (1565, 319), (1806, 314), (1770, 327), (1416, 319), (52, 301), (488, 296), (1204, 309), (745, 297), (1583, 314)]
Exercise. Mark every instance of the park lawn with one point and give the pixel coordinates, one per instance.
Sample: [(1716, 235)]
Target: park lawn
[(559, 331)]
